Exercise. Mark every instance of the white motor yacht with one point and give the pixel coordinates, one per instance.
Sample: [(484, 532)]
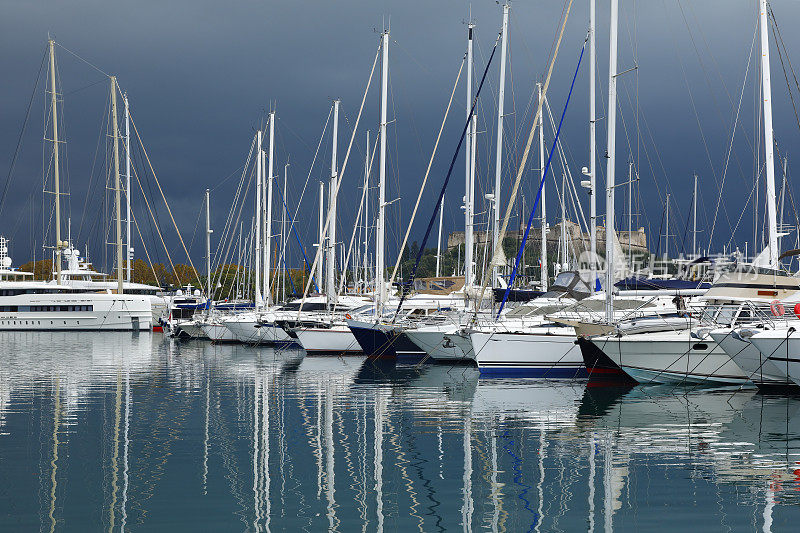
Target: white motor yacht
[(26, 304)]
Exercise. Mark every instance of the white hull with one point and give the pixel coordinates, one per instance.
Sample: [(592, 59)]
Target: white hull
[(218, 333), (246, 328), (671, 357), (75, 311), (192, 328), (756, 367), (335, 340), (782, 349), (442, 343), (538, 351)]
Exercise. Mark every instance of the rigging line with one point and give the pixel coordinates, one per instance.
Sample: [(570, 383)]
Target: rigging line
[(84, 87), (92, 171), (98, 69), (521, 169), (231, 225), (410, 280), (226, 178), (730, 146), (310, 170), (570, 180), (21, 134), (744, 209), (196, 224), (355, 227), (157, 226), (290, 130), (686, 227), (299, 243), (541, 184), (144, 151), (318, 256), (786, 76), (146, 253), (779, 36), (427, 173)]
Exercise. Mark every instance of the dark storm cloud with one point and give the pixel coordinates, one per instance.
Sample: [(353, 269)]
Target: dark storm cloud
[(201, 74)]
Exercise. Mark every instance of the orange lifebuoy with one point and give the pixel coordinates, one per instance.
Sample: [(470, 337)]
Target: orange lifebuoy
[(797, 310), (348, 317), (777, 308)]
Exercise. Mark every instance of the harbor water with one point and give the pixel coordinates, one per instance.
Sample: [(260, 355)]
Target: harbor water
[(141, 432)]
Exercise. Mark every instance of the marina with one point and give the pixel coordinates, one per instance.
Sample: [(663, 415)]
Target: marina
[(316, 321)]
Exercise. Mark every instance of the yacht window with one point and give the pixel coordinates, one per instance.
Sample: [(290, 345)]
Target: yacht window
[(708, 313), (726, 315)]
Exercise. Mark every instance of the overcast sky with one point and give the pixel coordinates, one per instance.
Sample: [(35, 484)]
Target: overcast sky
[(201, 76)]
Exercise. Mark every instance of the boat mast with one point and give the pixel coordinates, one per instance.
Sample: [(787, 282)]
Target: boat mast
[(379, 230), (117, 199), (543, 259), (56, 184), (611, 151), (439, 239), (630, 209), (268, 233), (766, 95), (694, 220), (592, 146), (366, 209), (209, 231), (284, 238), (259, 301), (498, 170), (469, 185), (129, 251), (666, 231), (320, 238), (330, 273)]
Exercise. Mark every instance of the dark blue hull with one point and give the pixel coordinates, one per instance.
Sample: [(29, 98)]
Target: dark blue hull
[(601, 369), (380, 344)]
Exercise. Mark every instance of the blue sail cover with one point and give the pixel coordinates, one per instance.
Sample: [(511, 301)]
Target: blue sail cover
[(652, 284)]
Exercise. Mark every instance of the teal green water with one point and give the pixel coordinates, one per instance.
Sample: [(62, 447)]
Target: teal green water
[(117, 432)]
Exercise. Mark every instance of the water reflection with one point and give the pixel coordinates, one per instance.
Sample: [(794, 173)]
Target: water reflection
[(129, 432)]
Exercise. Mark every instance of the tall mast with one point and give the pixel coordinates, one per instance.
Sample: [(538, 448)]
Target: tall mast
[(117, 187), (209, 231), (630, 209), (439, 240), (268, 234), (284, 238), (259, 301), (694, 219), (666, 232), (56, 184), (544, 205), (366, 208), (129, 251), (612, 153), (498, 167), (320, 239), (330, 274), (469, 183), (379, 230), (592, 145), (766, 95)]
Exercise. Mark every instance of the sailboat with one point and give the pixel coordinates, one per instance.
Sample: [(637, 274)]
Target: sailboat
[(55, 305), (720, 348)]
